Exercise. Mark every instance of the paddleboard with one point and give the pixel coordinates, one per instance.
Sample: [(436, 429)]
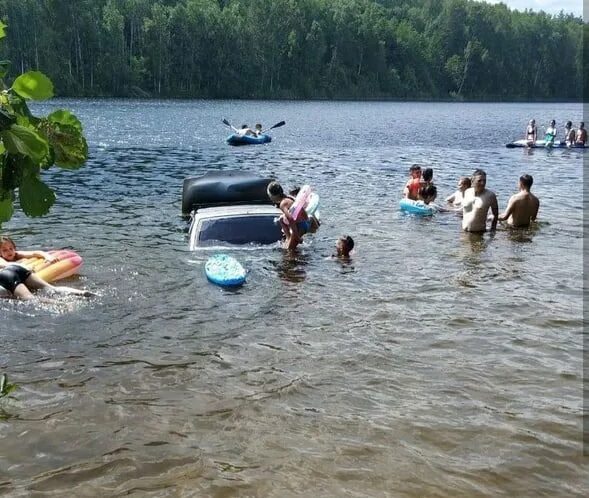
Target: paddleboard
[(541, 144), (225, 270)]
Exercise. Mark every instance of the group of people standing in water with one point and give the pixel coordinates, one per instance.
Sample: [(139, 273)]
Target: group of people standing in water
[(572, 137), (473, 200)]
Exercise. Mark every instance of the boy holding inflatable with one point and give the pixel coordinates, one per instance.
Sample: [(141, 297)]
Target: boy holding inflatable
[(292, 228)]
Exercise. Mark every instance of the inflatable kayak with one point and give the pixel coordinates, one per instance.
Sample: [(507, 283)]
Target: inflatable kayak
[(541, 144), (236, 139)]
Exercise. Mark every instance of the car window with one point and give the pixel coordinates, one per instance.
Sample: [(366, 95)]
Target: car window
[(240, 230)]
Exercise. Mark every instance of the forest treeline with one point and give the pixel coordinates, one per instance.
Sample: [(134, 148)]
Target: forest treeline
[(366, 49)]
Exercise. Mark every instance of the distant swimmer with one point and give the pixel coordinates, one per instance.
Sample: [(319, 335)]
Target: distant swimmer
[(522, 207), (343, 247), (456, 198), (581, 137), (476, 203), (531, 132)]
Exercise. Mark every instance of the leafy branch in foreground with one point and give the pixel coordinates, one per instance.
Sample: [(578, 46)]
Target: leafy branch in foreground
[(5, 387), (30, 144)]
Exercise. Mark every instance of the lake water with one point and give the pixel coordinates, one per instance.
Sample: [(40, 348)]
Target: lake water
[(434, 364)]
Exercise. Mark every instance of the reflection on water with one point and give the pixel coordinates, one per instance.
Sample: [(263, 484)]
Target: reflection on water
[(434, 362)]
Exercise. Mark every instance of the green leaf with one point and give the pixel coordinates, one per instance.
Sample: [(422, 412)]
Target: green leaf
[(4, 66), (6, 209), (62, 116), (35, 197), (20, 140), (33, 85), (2, 32), (67, 143)]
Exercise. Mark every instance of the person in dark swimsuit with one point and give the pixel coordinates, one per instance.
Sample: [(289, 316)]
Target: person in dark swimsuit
[(531, 132), (19, 281)]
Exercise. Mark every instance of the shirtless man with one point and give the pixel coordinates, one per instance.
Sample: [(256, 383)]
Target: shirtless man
[(476, 203), (523, 206)]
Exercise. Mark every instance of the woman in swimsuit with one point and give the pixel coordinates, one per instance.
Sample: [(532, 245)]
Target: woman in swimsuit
[(18, 280), (531, 132)]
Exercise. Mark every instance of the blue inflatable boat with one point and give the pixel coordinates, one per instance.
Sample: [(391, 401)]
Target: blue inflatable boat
[(236, 139)]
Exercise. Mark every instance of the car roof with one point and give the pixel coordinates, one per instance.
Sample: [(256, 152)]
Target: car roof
[(237, 210)]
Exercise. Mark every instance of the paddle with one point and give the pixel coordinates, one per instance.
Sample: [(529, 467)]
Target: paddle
[(230, 125), (277, 125)]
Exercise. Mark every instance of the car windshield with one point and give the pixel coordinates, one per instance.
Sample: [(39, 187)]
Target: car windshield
[(250, 229)]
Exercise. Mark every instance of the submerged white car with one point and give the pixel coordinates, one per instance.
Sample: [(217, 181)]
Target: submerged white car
[(235, 225), (230, 208)]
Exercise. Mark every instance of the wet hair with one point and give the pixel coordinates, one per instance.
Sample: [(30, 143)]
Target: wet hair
[(4, 239), (415, 167), (428, 191), (295, 191), (427, 174), (479, 172), (569, 124), (526, 181), (274, 189), (466, 180), (348, 241)]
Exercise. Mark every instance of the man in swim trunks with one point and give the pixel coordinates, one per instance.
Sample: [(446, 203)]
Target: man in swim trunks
[(531, 132), (522, 207), (476, 203), (411, 190)]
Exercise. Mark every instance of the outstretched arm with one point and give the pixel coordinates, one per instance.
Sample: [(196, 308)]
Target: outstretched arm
[(34, 254), (508, 210), (495, 211)]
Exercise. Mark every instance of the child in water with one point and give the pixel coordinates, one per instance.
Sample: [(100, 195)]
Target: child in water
[(18, 280), (411, 190), (344, 246), (428, 194), (292, 229), (427, 177)]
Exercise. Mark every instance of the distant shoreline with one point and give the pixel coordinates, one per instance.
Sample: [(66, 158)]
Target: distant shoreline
[(341, 99)]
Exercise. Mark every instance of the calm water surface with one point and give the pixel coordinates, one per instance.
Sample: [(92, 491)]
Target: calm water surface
[(434, 364)]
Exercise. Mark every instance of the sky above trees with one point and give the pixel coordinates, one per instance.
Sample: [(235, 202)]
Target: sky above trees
[(549, 6)]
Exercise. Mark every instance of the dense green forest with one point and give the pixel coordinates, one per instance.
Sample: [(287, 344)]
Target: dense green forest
[(397, 49)]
